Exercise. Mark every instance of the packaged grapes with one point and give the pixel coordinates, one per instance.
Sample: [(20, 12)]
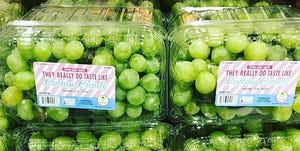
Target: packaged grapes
[(111, 3), (10, 10), (233, 70), (136, 137), (237, 137), (104, 70)]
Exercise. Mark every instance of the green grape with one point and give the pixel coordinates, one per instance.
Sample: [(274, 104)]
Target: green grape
[(109, 141), (264, 149), (65, 60), (285, 145), (151, 83), (42, 51), (128, 79), (86, 138), (132, 140), (118, 111), (133, 111), (37, 142), (237, 144), (4, 123), (8, 78), (243, 111), (290, 40), (220, 53), (57, 114), (16, 63), (74, 50), (12, 96), (193, 145), (24, 80), (208, 110), (92, 38), (276, 53), (205, 82), (215, 36), (150, 138), (296, 103), (200, 65), (71, 32), (199, 49), (262, 3), (153, 65), (105, 59), (120, 94), (184, 71), (2, 110), (191, 108), (122, 51), (57, 48), (150, 46), (50, 134), (163, 130), (236, 43), (256, 51), (136, 96), (282, 114), (101, 50), (120, 67), (134, 41), (25, 46), (151, 102), (264, 110), (254, 127), (252, 140), (63, 143), (213, 69), (232, 129), (24, 110), (219, 140), (226, 113), (181, 96), (293, 135), (138, 63)]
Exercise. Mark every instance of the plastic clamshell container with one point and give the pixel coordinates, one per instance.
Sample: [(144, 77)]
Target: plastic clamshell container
[(191, 14), (237, 137), (10, 11), (191, 104), (110, 3), (145, 39), (151, 136)]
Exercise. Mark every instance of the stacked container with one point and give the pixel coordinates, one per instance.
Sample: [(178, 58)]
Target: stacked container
[(223, 62), (10, 10)]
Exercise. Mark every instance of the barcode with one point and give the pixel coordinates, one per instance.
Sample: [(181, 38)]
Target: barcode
[(227, 99), (49, 100)]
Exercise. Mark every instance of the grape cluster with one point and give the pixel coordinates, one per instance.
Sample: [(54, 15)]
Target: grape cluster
[(142, 139), (137, 55), (198, 51), (277, 140)]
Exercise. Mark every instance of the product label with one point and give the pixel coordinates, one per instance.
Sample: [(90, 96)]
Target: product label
[(257, 83), (75, 85)]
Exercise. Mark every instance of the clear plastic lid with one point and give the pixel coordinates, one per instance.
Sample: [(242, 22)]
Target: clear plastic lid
[(250, 136), (195, 102), (100, 42), (110, 3), (151, 136), (196, 15), (10, 11)]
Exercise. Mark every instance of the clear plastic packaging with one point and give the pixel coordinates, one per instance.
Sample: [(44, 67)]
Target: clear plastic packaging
[(6, 142), (192, 99), (237, 137), (99, 39), (10, 11), (151, 136), (110, 3)]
